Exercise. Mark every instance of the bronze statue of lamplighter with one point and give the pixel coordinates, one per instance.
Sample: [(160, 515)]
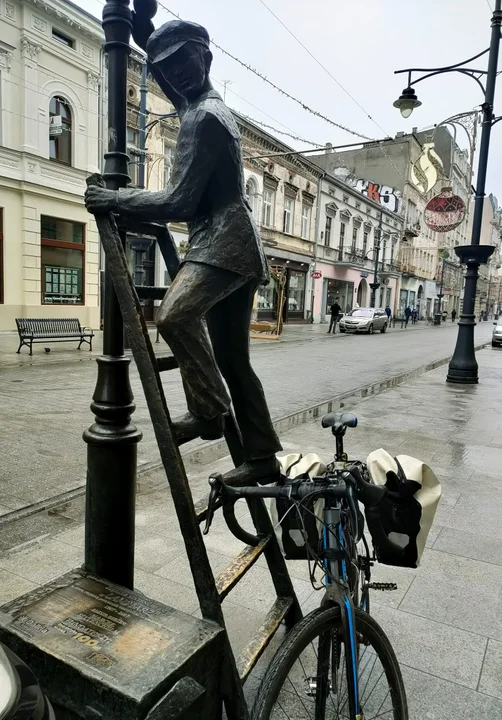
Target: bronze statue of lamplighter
[(225, 261)]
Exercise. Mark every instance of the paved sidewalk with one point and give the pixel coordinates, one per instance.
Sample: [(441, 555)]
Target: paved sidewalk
[(67, 353), (445, 620), (44, 407)]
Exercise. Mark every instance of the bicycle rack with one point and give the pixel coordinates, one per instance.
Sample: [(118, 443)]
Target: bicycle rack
[(210, 591)]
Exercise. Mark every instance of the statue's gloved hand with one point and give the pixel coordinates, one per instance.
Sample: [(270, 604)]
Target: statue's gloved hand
[(142, 26), (98, 199)]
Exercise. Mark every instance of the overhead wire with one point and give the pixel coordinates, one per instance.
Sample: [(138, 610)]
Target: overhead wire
[(276, 87), (328, 72), (265, 79)]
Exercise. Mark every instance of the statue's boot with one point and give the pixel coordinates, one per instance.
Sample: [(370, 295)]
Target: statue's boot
[(263, 471), (188, 427)]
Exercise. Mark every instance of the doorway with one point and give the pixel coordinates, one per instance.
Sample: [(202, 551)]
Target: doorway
[(420, 294), (362, 293)]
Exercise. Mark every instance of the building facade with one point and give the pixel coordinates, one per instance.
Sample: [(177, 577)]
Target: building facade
[(348, 229), (51, 133), (282, 190), (406, 172)]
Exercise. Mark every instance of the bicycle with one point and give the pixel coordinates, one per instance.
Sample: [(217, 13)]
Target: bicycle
[(339, 643)]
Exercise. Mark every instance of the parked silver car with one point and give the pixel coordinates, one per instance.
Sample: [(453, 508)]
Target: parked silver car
[(366, 320), (497, 333)]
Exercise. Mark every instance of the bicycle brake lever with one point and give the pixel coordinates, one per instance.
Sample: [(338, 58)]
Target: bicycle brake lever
[(214, 495)]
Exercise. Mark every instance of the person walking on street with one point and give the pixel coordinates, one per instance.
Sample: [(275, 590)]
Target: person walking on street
[(414, 316), (407, 314), (336, 311), (388, 312), (453, 315)]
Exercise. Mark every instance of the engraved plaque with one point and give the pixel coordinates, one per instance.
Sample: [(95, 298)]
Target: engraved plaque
[(107, 635)]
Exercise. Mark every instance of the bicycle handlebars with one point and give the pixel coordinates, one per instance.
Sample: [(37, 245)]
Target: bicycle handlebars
[(352, 485)]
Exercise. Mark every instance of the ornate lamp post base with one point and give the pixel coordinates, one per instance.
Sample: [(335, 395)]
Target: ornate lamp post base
[(463, 367)]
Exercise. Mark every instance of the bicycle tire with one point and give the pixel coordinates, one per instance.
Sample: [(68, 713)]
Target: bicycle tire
[(301, 636)]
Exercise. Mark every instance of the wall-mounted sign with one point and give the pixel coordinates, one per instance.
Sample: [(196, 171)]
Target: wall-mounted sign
[(317, 274), (364, 274), (427, 170), (444, 212), (387, 196)]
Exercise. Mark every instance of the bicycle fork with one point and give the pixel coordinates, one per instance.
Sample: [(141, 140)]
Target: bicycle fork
[(337, 592)]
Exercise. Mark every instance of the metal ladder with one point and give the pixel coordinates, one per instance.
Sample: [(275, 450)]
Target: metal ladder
[(210, 591)]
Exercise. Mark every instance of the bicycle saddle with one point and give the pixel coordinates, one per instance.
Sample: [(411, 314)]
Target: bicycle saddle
[(337, 421)]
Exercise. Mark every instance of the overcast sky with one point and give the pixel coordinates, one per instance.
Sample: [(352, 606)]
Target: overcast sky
[(361, 43)]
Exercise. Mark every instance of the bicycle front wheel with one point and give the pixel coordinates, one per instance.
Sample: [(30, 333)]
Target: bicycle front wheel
[(307, 678)]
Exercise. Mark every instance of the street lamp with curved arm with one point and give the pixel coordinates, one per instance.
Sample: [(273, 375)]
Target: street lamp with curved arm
[(408, 100), (463, 367)]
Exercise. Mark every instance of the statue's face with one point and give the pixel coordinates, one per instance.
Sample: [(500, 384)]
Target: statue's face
[(185, 71)]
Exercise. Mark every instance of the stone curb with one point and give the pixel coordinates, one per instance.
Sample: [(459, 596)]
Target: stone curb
[(212, 451)]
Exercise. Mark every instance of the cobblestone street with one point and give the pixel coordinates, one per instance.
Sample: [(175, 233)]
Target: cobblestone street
[(45, 405)]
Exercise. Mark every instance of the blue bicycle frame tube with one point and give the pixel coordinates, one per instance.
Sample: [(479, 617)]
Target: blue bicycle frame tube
[(333, 541)]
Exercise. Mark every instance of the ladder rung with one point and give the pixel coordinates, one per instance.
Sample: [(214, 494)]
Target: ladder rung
[(235, 571), (149, 292), (168, 362), (254, 650)]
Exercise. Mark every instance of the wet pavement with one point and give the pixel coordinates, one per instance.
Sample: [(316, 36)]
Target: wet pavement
[(445, 619), (44, 402)]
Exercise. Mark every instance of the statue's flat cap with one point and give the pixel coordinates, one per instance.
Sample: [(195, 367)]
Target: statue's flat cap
[(171, 36)]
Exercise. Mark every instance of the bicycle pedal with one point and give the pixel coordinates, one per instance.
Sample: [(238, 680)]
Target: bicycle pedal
[(381, 586)]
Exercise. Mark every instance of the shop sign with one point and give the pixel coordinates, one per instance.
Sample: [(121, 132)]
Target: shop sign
[(317, 274), (364, 274)]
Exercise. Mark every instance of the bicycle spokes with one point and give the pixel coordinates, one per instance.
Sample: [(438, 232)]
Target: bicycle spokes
[(316, 687)]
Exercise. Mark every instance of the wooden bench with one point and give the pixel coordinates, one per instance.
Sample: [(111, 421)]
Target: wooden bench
[(36, 330), (399, 319), (263, 330)]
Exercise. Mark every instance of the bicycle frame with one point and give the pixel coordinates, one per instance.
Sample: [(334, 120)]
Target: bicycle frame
[(338, 592)]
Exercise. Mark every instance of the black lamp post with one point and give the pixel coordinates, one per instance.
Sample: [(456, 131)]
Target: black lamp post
[(112, 439), (463, 367), (440, 293), (378, 242)]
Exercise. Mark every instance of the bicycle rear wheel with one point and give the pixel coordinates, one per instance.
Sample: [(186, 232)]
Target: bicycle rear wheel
[(293, 689)]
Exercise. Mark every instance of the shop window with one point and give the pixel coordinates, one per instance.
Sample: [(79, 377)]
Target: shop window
[(60, 130), (327, 230), (296, 291), (266, 297), (268, 207), (306, 213), (403, 301), (341, 292), (1, 257), (62, 250), (289, 207)]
